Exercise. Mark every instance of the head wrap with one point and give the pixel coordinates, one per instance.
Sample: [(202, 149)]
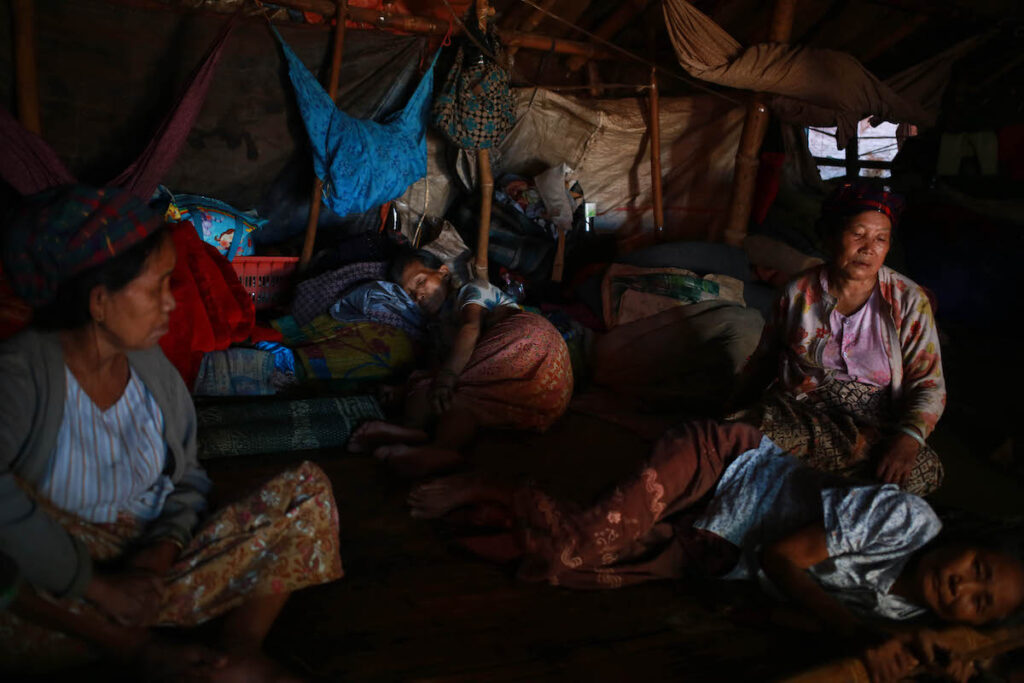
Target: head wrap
[(853, 197), (65, 231)]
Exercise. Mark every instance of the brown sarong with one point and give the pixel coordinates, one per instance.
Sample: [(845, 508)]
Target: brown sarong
[(280, 538), (839, 428), (519, 376), (627, 537)]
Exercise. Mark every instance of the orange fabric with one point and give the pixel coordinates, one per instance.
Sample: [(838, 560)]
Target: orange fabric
[(519, 376), (280, 538)]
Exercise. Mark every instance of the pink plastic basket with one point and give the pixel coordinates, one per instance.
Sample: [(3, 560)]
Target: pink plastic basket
[(266, 278)]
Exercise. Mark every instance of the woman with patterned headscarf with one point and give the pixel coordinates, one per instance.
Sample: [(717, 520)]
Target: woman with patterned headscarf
[(103, 524), (859, 383)]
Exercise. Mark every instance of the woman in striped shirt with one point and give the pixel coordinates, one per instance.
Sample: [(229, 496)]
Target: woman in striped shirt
[(102, 499)]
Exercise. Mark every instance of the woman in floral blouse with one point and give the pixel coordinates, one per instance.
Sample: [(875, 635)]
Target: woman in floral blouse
[(859, 384)]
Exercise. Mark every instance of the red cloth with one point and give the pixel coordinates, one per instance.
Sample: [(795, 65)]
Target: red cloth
[(15, 314), (214, 310), (260, 333), (1011, 151), (766, 187)]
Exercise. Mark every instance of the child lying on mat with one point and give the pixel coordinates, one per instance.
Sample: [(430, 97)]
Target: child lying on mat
[(724, 500), (502, 368)]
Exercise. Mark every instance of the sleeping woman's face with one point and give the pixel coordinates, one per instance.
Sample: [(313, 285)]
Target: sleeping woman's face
[(970, 584), (427, 287)]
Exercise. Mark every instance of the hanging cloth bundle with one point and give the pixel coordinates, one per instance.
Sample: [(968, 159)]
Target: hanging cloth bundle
[(475, 108), (29, 165), (362, 163)]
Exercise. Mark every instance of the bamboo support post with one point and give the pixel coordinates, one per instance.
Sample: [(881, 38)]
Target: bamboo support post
[(655, 136), (26, 73), (533, 41), (511, 39), (531, 22), (332, 89), (754, 128), (594, 79), (483, 163)]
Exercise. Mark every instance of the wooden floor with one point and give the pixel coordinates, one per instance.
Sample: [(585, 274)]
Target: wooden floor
[(412, 607)]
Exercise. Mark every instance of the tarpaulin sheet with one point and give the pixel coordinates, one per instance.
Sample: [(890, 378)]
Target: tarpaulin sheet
[(606, 143), (813, 86)]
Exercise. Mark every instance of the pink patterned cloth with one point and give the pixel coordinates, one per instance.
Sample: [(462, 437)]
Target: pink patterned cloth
[(856, 350)]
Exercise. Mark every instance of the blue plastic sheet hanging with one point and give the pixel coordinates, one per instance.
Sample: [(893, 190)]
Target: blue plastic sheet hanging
[(362, 163)]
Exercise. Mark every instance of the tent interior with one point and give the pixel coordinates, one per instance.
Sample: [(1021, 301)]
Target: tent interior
[(927, 97)]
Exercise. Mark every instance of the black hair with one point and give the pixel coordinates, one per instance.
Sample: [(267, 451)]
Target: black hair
[(1003, 535), (408, 255), (70, 307)]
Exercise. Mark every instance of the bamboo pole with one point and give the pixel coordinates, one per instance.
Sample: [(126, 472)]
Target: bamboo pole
[(533, 41), (754, 128), (611, 26), (655, 137), (594, 80), (429, 26), (26, 73), (332, 89), (483, 163), (531, 22)]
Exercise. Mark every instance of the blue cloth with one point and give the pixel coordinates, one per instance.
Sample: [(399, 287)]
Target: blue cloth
[(871, 531), (384, 302), (484, 294), (362, 163)]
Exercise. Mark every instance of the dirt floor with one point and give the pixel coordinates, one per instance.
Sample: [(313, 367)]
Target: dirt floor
[(413, 606)]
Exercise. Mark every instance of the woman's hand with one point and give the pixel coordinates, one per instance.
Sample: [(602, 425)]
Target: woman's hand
[(937, 655), (156, 558), (130, 598), (890, 661), (443, 391), (898, 460)]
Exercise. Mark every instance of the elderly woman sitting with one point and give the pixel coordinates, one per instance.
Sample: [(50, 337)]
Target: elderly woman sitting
[(859, 377), (102, 499)]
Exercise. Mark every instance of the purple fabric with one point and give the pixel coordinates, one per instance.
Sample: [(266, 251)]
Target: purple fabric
[(855, 349), (145, 173), (316, 295), (26, 162), (30, 166)]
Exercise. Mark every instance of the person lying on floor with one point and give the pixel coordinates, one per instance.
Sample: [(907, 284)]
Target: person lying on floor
[(502, 368), (102, 499), (855, 350), (722, 499)]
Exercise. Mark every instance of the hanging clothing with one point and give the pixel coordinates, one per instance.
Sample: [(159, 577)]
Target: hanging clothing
[(29, 165), (362, 163)]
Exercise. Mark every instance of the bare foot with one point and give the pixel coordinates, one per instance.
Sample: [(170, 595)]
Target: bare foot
[(437, 498), (378, 432), (417, 461)]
